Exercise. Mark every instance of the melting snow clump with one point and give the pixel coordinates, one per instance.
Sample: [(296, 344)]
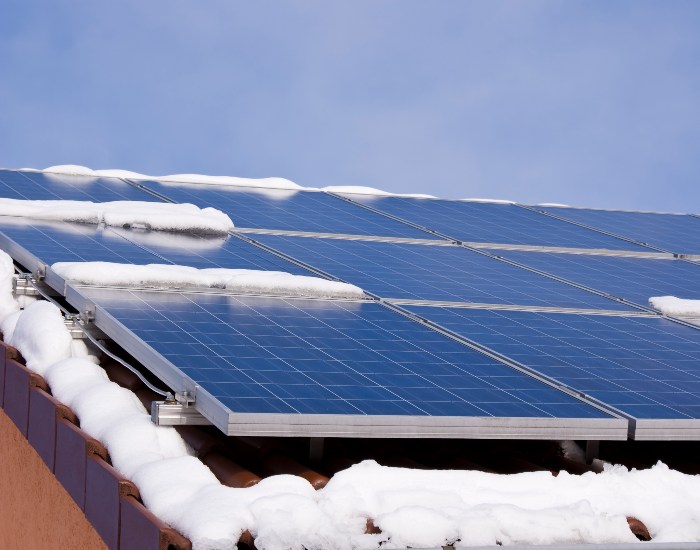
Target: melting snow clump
[(136, 214), (175, 276), (670, 305)]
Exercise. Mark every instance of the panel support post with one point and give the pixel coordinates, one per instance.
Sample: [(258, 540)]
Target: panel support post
[(592, 450), (316, 448)]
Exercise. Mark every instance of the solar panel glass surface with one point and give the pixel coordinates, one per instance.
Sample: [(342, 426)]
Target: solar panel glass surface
[(208, 252), (672, 232), (271, 355), (480, 222), (41, 186), (647, 367), (426, 272), (635, 279), (53, 242), (287, 210)]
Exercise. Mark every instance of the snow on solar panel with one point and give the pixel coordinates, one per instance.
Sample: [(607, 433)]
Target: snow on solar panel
[(480, 222), (646, 367), (440, 273), (365, 368), (675, 233), (288, 210), (635, 279)]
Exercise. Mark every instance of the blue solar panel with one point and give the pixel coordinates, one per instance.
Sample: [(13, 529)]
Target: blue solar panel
[(635, 279), (492, 223), (53, 242), (426, 272), (268, 355), (287, 210), (672, 232), (647, 367), (208, 252), (41, 186)]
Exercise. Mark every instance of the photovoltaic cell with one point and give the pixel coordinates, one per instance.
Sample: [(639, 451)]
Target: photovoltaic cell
[(442, 273), (270, 355), (492, 223), (41, 186), (647, 367), (287, 210), (676, 233), (635, 279)]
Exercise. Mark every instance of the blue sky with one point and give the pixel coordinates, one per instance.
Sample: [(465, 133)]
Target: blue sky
[(591, 103)]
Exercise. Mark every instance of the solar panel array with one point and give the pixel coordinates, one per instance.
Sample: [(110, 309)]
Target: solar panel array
[(481, 319)]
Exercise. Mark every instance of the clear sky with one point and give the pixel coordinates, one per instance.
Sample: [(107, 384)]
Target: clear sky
[(589, 103)]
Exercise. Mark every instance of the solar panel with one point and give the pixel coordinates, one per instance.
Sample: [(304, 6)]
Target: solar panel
[(646, 367), (287, 210), (208, 252), (635, 279), (34, 241), (304, 367), (672, 232), (426, 272), (41, 186), (480, 222)]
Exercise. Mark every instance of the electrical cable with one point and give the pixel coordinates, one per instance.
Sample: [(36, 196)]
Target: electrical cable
[(95, 341)]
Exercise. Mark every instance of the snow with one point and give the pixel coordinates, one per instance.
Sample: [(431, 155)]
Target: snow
[(262, 183), (41, 336), (670, 305), (497, 201), (8, 304), (272, 183), (175, 276), (135, 214), (363, 190)]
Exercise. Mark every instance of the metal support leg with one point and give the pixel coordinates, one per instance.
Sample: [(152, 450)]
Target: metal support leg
[(592, 451), (316, 449)]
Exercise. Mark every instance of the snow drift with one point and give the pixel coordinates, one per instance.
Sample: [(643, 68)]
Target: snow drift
[(161, 276), (133, 214)]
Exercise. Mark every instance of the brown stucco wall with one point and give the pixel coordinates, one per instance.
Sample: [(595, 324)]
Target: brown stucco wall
[(36, 512)]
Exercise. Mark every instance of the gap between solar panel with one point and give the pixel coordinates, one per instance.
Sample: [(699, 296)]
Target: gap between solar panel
[(516, 365), (566, 281), (592, 228)]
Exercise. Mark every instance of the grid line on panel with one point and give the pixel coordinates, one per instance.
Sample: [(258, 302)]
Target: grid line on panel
[(455, 274), (647, 368), (329, 357), (285, 209), (674, 233), (483, 222), (341, 236), (508, 307)]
